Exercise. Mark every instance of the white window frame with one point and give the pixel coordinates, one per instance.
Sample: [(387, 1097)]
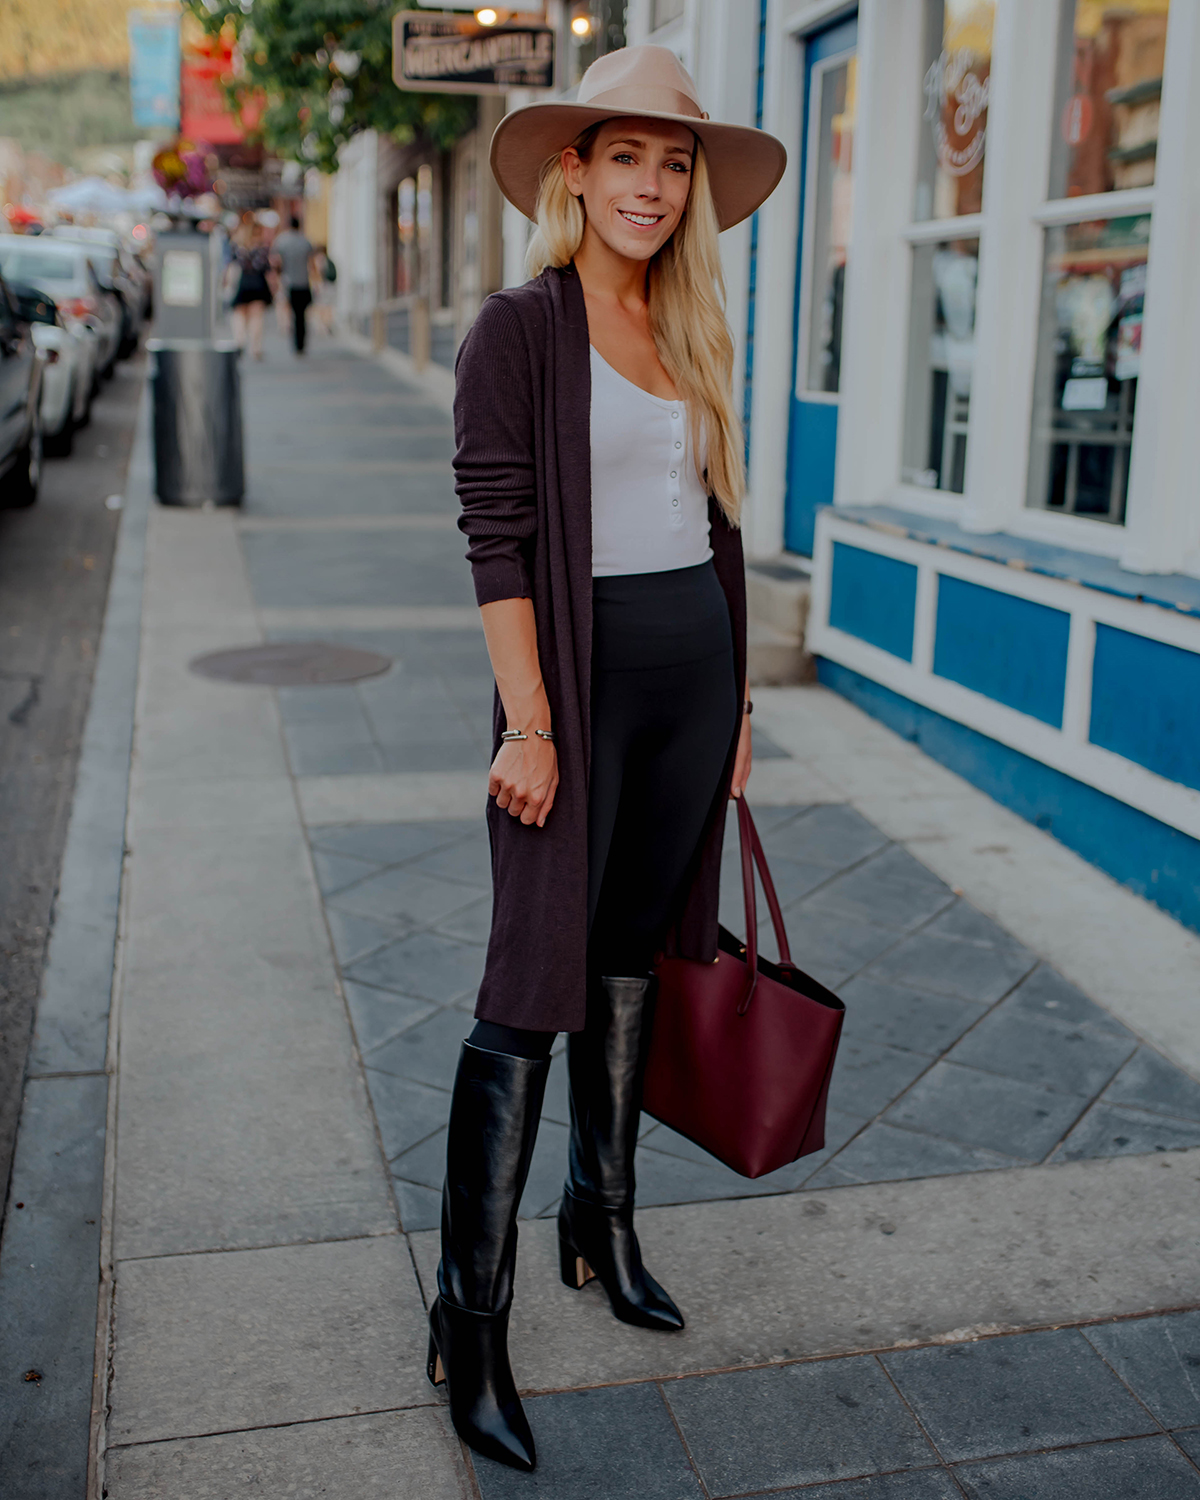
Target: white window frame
[(808, 233), (1162, 522)]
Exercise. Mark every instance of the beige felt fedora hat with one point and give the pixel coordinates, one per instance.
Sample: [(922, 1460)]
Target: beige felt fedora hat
[(744, 164)]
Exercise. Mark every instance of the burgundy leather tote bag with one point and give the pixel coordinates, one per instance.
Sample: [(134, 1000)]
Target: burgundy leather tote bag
[(743, 1049)]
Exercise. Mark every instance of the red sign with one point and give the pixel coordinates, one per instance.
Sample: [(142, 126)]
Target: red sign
[(204, 114)]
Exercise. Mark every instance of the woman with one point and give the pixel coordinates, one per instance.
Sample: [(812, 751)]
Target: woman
[(599, 467), (252, 265)]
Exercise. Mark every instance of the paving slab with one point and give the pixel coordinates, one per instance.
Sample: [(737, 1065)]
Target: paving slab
[(1041, 1049), (798, 1424), (378, 1457), (903, 1017), (1148, 1081), (243, 1117), (1159, 1359), (882, 1153), (873, 1266), (1115, 1130), (1145, 1469), (255, 1338), (614, 1444), (1016, 1119), (1043, 1390)]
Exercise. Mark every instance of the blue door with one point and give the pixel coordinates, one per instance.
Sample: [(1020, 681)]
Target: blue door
[(826, 177)]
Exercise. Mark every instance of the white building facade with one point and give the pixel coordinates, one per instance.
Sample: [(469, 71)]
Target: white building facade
[(970, 340)]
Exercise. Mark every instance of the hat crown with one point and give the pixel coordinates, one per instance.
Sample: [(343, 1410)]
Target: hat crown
[(650, 77)]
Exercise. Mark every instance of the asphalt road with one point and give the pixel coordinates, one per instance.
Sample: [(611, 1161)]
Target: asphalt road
[(55, 561)]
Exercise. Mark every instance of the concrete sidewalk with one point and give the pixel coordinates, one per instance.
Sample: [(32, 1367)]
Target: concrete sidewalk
[(986, 1284)]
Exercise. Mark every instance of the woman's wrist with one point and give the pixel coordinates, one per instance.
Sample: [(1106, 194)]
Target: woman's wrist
[(527, 713)]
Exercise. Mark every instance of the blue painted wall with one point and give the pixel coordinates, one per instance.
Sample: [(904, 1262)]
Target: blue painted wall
[(874, 598), (812, 425), (812, 458), (1146, 703), (1006, 648), (1148, 857)]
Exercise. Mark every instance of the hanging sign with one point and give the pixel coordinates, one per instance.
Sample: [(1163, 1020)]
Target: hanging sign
[(457, 54), (154, 68)]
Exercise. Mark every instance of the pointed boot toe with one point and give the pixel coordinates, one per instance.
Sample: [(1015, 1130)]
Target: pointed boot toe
[(600, 1242), (469, 1351)]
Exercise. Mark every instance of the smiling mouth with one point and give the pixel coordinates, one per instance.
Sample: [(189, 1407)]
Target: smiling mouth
[(641, 221)]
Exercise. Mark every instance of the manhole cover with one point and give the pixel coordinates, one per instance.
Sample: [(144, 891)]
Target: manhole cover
[(291, 664)]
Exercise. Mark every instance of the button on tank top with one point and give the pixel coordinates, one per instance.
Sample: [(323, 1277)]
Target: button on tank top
[(649, 505)]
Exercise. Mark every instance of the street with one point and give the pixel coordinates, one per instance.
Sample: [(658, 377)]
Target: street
[(55, 560), (981, 1286)]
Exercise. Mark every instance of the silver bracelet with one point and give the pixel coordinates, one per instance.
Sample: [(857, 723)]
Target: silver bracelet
[(519, 734)]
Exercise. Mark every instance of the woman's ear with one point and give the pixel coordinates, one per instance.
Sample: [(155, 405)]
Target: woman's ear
[(572, 170)]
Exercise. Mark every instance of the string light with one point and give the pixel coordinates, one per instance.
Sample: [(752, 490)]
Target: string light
[(487, 16), (582, 26)]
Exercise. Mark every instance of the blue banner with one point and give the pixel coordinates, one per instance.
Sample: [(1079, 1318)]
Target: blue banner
[(154, 68)]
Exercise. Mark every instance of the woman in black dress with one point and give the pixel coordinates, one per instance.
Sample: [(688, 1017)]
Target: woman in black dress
[(255, 289)]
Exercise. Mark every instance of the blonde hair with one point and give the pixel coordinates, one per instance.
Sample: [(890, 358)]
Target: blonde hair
[(686, 300)]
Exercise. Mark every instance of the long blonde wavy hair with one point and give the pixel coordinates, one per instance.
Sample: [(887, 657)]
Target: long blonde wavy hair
[(686, 299)]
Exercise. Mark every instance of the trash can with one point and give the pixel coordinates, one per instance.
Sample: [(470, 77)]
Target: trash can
[(197, 421)]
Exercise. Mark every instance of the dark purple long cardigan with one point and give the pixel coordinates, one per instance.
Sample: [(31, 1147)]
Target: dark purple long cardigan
[(522, 415)]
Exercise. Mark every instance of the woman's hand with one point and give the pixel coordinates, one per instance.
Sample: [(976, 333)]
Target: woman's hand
[(524, 779), (741, 763)]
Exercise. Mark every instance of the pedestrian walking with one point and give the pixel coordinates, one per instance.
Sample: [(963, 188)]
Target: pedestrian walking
[(599, 466), (251, 269), (292, 256)]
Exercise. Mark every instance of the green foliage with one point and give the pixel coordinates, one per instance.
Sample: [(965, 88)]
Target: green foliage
[(325, 67)]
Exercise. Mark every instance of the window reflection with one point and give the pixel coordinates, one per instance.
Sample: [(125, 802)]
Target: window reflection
[(1089, 356), (1110, 67), (941, 360), (956, 84), (833, 131)]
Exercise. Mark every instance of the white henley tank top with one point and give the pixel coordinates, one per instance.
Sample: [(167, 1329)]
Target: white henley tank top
[(649, 505)]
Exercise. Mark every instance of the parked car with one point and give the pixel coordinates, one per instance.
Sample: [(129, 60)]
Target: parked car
[(113, 261), (63, 271), (20, 406), (68, 357)]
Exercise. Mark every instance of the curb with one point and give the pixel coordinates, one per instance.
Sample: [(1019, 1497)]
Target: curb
[(52, 1258)]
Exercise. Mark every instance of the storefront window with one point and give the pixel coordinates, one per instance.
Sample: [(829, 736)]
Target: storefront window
[(594, 27), (1089, 355), (941, 359), (958, 51), (1110, 68), (833, 135)]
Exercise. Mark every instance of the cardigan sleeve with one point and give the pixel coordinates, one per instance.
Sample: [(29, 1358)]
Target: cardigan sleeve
[(495, 466)]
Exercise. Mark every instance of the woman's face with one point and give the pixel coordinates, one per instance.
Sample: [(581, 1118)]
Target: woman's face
[(634, 184)]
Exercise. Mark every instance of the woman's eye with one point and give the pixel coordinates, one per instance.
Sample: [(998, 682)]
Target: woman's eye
[(622, 156)]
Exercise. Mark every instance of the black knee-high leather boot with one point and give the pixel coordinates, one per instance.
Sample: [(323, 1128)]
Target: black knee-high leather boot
[(607, 1063), (493, 1125)]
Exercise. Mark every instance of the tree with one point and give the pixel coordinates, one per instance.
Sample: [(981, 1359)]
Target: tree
[(325, 69)]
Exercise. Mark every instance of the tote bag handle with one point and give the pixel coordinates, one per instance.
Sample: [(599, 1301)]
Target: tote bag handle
[(752, 854)]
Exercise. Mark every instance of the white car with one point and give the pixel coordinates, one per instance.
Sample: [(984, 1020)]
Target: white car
[(68, 358), (63, 271)]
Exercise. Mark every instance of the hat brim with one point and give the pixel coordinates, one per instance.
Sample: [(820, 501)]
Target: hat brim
[(744, 164)]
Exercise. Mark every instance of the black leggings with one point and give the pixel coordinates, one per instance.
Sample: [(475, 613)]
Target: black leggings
[(664, 706)]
